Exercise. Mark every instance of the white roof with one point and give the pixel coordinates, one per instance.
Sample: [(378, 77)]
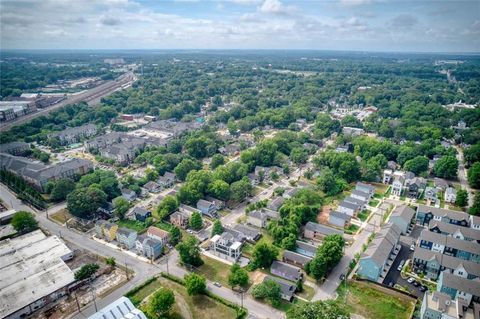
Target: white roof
[(31, 268), (236, 245), (121, 308)]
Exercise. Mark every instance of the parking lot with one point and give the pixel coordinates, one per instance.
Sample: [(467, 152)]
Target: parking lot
[(405, 253)]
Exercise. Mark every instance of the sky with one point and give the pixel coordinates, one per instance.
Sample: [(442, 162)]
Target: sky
[(357, 25)]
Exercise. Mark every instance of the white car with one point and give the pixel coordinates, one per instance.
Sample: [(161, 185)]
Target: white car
[(412, 247), (410, 280)]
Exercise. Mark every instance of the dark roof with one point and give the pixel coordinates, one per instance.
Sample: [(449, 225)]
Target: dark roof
[(349, 205), (322, 229), (286, 271), (249, 232), (288, 288), (340, 215), (299, 258)]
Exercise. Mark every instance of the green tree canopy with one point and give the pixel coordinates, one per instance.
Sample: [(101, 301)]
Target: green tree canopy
[(195, 221), (329, 309), (160, 303), (473, 175), (446, 167), (121, 206), (238, 276), (263, 255), (195, 284), (269, 290), (189, 252), (24, 222)]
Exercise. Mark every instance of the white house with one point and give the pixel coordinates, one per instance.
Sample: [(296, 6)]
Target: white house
[(450, 195)]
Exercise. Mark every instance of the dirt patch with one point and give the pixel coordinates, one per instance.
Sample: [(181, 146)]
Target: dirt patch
[(257, 277), (61, 217), (322, 217)]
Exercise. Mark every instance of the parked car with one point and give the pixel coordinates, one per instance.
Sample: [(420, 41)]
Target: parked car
[(416, 283), (217, 284), (390, 284), (410, 280), (412, 247), (400, 266), (342, 276), (422, 288)]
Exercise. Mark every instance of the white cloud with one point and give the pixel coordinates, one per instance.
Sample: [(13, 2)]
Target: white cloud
[(275, 7)]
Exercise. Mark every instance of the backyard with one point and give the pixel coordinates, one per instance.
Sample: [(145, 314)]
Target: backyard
[(187, 307), (364, 299)]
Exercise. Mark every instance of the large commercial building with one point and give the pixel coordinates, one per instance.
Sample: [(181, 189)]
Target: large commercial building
[(33, 273)]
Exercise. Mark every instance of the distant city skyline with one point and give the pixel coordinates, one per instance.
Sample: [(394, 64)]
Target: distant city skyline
[(345, 25)]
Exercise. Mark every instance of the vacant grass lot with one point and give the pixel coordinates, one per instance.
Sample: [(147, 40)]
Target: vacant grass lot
[(61, 216), (132, 224), (214, 270), (365, 300), (186, 307)]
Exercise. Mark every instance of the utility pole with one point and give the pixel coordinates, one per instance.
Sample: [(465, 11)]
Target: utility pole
[(126, 268), (94, 298), (76, 299)]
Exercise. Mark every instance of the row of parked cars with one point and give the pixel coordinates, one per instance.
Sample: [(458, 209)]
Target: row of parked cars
[(412, 281)]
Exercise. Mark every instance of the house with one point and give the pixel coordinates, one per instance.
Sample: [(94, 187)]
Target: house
[(230, 150), (431, 194), (437, 305), (120, 308), (128, 194), (207, 208), (148, 247), (416, 186), (427, 213), (431, 263), (74, 134), (158, 234), (440, 184), (167, 180), (15, 148), (237, 235), (291, 192), (402, 216), (179, 219), (219, 204), (360, 195), (286, 271), (287, 288), (251, 234), (276, 203), (397, 185), (295, 259), (362, 204), (459, 287), (257, 218), (348, 208), (189, 210), (352, 131), (450, 195), (380, 254), (462, 249), (387, 176), (152, 187), (463, 233), (106, 230), (126, 237), (369, 189), (392, 165), (339, 219), (226, 246), (305, 249), (141, 214), (318, 231)]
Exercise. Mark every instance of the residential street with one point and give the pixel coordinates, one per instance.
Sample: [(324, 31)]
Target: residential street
[(462, 175), (142, 270)]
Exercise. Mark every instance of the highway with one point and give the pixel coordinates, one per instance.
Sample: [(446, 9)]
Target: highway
[(142, 270), (91, 96)]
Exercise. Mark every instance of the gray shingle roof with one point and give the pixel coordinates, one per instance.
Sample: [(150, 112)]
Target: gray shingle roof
[(404, 212), (322, 229), (286, 271), (461, 284), (299, 258), (447, 261), (443, 212)]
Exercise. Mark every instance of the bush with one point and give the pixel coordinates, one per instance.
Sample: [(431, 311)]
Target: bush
[(86, 271)]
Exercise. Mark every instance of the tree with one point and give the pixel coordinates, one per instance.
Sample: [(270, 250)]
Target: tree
[(121, 206), (217, 160), (269, 290), (474, 175), (263, 255), (84, 202), (329, 183), (195, 284), (328, 255), (160, 303), (86, 271), (111, 261), (151, 174), (417, 165), (167, 206), (217, 228), (24, 222), (189, 252), (446, 167), (184, 167), (175, 235), (472, 154), (462, 198), (219, 189), (61, 189), (299, 155), (328, 309), (475, 209), (238, 276), (195, 221), (239, 190)]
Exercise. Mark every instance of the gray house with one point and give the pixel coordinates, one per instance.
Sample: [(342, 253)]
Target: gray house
[(286, 271), (339, 219), (402, 216), (126, 237), (295, 259), (288, 288)]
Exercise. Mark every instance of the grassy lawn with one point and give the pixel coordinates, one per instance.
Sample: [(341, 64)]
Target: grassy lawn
[(214, 270), (352, 229), (363, 215), (61, 216), (373, 203), (196, 307), (388, 192), (132, 224), (307, 292), (371, 303)]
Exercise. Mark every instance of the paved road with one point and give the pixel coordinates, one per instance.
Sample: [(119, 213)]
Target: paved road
[(462, 175), (91, 96), (142, 270)]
